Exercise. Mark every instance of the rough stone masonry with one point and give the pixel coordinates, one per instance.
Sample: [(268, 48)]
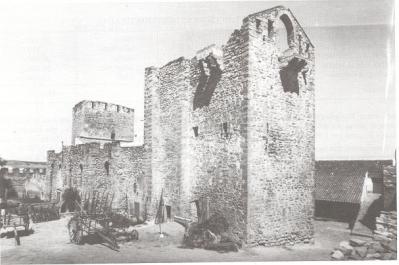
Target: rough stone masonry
[(235, 125), (230, 131)]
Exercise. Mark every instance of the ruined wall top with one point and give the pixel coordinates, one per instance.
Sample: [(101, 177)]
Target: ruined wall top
[(262, 21), (279, 12)]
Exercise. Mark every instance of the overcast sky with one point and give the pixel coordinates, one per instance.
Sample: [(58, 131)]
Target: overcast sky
[(54, 55)]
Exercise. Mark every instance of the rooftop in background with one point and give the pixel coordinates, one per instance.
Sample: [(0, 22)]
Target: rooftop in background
[(342, 180), (24, 164)]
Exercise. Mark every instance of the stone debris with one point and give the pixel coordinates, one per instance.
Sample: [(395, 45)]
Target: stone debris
[(361, 251), (382, 246), (212, 234), (345, 247), (356, 242), (337, 255)]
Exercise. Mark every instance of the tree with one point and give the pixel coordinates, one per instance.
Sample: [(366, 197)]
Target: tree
[(2, 162), (4, 183), (6, 188)]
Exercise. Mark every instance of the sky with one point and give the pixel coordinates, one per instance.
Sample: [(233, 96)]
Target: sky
[(53, 55)]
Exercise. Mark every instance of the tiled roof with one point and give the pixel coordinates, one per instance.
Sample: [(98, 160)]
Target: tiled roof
[(339, 181)]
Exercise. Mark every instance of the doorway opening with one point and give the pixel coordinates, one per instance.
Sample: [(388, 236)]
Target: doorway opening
[(168, 211), (137, 209)]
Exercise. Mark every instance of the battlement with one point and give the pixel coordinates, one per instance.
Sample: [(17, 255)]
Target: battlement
[(15, 171), (102, 106), (97, 121), (94, 147)]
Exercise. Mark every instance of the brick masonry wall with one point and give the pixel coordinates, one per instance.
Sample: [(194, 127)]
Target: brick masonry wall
[(84, 167), (280, 139), (97, 121)]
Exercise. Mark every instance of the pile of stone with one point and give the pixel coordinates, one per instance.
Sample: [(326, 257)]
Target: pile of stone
[(386, 230), (382, 246), (212, 234)]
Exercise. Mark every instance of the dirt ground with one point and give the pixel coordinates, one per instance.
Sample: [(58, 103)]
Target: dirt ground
[(50, 244)]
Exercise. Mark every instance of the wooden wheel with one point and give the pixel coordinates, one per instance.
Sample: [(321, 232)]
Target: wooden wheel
[(75, 231)]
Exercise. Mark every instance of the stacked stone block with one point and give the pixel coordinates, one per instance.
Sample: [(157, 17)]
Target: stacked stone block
[(95, 121), (249, 147), (85, 167)]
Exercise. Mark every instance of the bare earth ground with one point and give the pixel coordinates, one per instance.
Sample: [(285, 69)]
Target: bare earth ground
[(50, 244)]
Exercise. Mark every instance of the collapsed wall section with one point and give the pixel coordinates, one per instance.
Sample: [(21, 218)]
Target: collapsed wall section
[(231, 131), (218, 132)]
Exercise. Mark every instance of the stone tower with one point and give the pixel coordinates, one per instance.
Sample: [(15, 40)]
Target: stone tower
[(234, 127), (95, 121)]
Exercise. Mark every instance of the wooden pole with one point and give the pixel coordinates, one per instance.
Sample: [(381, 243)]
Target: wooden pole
[(93, 201), (110, 204)]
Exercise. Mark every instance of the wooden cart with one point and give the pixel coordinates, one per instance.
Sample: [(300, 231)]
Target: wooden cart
[(20, 222), (94, 218)]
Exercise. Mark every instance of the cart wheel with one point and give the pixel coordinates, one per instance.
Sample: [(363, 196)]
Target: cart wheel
[(134, 235), (75, 231)]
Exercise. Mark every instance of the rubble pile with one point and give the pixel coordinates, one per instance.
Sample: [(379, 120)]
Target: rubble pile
[(383, 245), (212, 234)]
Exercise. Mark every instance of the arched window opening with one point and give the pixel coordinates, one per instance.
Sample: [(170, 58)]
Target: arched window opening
[(135, 187), (112, 135), (81, 168), (106, 166), (284, 33)]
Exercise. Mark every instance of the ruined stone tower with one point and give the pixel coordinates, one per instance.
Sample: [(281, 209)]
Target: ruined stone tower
[(95, 121), (235, 125)]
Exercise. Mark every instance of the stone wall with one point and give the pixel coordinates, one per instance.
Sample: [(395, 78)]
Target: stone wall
[(235, 125), (95, 121), (28, 179), (280, 133), (218, 153), (166, 99), (91, 167)]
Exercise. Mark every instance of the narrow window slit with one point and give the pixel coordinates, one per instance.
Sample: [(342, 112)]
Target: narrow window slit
[(106, 166), (195, 129), (258, 22), (225, 130), (270, 28)]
